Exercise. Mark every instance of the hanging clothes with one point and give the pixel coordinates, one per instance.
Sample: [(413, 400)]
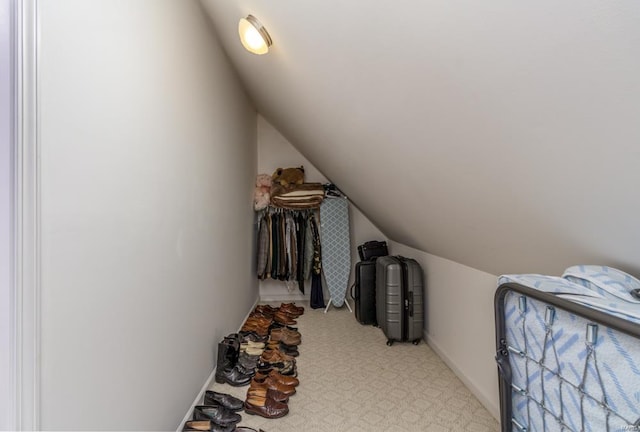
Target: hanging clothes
[(292, 244), (316, 299), (284, 248), (282, 256), (308, 248), (275, 251), (267, 273), (301, 224), (263, 247)]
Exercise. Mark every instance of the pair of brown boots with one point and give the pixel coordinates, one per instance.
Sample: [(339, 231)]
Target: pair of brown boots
[(285, 314), (258, 324), (286, 336), (291, 309), (268, 395)]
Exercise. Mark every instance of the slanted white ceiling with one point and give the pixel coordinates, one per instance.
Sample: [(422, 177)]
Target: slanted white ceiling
[(502, 135)]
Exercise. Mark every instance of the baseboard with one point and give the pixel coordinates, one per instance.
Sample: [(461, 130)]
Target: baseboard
[(198, 400), (493, 409)]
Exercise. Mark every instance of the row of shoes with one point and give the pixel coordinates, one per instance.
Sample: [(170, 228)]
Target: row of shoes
[(275, 375), (262, 355)]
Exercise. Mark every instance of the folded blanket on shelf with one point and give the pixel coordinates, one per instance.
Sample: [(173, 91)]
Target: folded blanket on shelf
[(306, 195)]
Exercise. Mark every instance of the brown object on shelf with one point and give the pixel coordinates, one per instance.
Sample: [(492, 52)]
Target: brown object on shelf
[(303, 196)]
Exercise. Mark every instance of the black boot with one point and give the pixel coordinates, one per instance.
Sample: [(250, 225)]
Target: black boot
[(248, 361), (226, 370), (233, 377), (233, 339)]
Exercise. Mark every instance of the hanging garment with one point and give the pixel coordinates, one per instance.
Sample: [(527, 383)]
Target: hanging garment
[(270, 250), (288, 238), (275, 238), (263, 247), (336, 247), (316, 299), (293, 246), (309, 247), (301, 224), (282, 256)]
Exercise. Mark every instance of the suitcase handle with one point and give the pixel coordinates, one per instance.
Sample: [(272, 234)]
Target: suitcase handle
[(351, 290)]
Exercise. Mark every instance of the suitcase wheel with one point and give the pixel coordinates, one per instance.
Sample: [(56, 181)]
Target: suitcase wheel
[(389, 342), (416, 341)]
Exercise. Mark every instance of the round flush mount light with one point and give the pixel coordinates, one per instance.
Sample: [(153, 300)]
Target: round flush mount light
[(253, 35)]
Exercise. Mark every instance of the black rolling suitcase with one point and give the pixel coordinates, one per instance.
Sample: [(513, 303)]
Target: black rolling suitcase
[(399, 298), (372, 249), (568, 351), (363, 292)]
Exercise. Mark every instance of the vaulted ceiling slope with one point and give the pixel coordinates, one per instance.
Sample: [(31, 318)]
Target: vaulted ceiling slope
[(502, 135)]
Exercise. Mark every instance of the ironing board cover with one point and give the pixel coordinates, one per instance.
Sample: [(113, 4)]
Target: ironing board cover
[(336, 247)]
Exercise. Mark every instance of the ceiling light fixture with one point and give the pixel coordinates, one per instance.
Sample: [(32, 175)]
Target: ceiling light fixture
[(253, 35)]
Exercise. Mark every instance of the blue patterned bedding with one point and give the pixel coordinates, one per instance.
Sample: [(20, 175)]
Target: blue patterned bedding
[(599, 287), (569, 373)]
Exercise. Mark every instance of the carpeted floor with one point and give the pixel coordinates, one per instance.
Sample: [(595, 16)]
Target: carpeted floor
[(350, 380)]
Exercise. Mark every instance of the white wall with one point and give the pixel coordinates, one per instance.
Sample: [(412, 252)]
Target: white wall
[(148, 163), (459, 322), (6, 348), (274, 151)]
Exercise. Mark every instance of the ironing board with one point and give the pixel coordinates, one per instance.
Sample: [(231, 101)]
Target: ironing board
[(336, 248)]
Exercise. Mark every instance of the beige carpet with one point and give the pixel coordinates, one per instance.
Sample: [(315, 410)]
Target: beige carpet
[(350, 380)]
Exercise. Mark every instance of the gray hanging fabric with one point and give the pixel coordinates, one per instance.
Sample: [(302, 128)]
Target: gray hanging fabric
[(308, 246)]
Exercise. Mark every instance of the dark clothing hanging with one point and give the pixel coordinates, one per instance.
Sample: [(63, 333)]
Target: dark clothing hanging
[(270, 248), (285, 245), (292, 244), (282, 252), (301, 226), (316, 299), (275, 237), (263, 247)]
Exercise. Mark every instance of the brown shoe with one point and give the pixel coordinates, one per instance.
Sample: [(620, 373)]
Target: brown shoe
[(290, 340), (260, 331), (259, 321), (283, 318), (265, 407), (265, 308), (276, 334), (283, 379), (263, 391), (273, 384), (275, 356), (200, 425), (286, 336), (292, 308)]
